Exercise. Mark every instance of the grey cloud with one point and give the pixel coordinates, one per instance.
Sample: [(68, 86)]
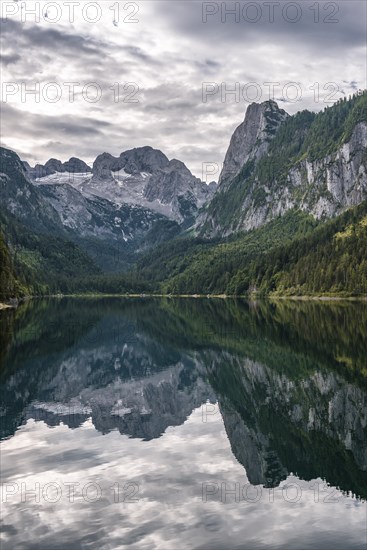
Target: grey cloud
[(66, 43), (139, 54), (44, 48), (50, 124), (9, 59), (305, 35), (169, 59), (353, 84), (50, 39), (208, 66)]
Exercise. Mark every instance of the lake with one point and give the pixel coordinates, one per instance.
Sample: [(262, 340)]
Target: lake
[(149, 423)]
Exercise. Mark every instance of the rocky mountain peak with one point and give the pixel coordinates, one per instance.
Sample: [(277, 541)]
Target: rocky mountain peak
[(52, 166), (102, 166), (142, 176), (76, 166), (276, 162), (251, 138), (179, 166), (143, 159), (145, 176), (9, 160), (139, 159)]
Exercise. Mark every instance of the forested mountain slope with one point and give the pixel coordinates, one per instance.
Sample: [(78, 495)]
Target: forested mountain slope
[(291, 255), (9, 286), (313, 162)]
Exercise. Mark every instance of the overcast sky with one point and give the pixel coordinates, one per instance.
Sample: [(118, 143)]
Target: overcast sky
[(170, 52)]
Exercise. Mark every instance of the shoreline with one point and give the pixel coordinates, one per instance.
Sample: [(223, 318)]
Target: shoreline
[(251, 297), (320, 298)]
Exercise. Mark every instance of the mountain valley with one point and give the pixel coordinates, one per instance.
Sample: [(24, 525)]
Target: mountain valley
[(292, 190)]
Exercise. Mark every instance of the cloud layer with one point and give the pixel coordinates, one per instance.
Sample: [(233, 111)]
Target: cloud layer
[(170, 510), (136, 76)]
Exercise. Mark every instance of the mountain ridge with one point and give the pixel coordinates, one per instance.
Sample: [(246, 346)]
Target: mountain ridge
[(282, 177), (141, 176), (110, 233), (251, 138), (316, 162)]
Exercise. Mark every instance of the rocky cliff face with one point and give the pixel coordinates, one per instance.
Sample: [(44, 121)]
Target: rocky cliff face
[(323, 188), (275, 162), (272, 166), (274, 408), (251, 139), (146, 177), (97, 217), (20, 197), (60, 209), (142, 176)]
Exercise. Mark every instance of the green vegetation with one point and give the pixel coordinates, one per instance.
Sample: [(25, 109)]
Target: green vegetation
[(206, 266), (39, 259), (290, 255), (46, 264), (286, 148), (227, 204), (332, 259), (333, 126), (9, 285), (304, 135)]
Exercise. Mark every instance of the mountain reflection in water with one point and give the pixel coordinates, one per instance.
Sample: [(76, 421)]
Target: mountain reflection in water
[(210, 392)]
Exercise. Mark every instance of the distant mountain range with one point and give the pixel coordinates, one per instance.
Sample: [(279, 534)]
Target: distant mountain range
[(123, 207), (143, 176)]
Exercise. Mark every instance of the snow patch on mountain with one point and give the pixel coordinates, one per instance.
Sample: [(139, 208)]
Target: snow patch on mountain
[(143, 176)]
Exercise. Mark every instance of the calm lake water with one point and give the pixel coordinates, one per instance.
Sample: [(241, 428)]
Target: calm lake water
[(183, 424)]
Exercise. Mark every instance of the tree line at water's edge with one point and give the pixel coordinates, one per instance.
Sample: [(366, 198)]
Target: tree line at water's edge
[(331, 258), (292, 255)]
